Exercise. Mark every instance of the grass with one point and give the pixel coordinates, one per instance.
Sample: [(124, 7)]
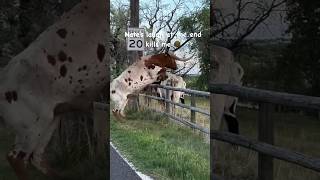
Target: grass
[(201, 102), (293, 131), (161, 149)]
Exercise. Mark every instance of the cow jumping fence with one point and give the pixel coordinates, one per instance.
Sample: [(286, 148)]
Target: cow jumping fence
[(264, 144)]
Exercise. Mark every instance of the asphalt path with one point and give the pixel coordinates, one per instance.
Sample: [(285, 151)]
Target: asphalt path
[(119, 168)]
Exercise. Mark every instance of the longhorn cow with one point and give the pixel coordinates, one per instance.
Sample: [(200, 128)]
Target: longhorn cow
[(145, 71)]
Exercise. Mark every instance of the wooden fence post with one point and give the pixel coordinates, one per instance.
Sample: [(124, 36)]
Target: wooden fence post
[(193, 104), (265, 134), (100, 129), (167, 103)]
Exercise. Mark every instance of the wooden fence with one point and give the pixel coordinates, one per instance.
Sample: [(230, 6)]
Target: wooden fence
[(192, 107), (264, 145)]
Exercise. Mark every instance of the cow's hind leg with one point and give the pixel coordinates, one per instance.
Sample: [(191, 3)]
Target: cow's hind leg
[(122, 108)]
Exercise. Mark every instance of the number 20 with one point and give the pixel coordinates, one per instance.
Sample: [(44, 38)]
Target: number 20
[(133, 42)]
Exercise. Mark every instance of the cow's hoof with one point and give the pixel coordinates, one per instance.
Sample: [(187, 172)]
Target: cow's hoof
[(117, 115)]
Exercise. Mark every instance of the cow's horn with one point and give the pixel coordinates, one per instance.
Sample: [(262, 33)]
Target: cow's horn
[(177, 58)]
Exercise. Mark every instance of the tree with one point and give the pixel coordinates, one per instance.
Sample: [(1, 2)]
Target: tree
[(300, 66), (230, 29)]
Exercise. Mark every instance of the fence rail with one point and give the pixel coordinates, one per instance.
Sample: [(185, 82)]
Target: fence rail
[(266, 96), (267, 149), (189, 91), (264, 145), (195, 109)]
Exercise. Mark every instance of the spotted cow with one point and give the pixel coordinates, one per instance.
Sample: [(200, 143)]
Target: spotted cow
[(145, 71), (64, 69), (225, 70), (175, 96)]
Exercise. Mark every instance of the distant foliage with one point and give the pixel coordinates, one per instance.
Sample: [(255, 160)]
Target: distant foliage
[(199, 22), (299, 68), (22, 21)]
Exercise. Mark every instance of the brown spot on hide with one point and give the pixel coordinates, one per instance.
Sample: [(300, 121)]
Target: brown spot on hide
[(72, 32), (141, 77), (21, 155), (129, 72), (101, 52), (129, 79), (113, 91), (63, 70), (70, 59), (62, 56), (87, 74), (84, 67), (62, 33), (80, 81), (129, 83), (51, 60), (162, 60), (85, 7), (82, 92), (65, 44), (14, 95), (125, 80), (8, 96), (98, 72)]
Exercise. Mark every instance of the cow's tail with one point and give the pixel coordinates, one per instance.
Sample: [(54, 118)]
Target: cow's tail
[(232, 123)]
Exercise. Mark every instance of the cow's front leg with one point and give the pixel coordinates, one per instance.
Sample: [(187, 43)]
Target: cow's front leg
[(18, 163)]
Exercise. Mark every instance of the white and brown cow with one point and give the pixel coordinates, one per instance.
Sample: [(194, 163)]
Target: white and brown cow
[(145, 71), (226, 70), (65, 68), (173, 81)]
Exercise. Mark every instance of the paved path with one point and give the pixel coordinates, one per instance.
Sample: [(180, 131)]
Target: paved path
[(119, 169)]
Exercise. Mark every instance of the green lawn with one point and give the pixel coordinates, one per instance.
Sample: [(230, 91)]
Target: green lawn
[(160, 148)]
